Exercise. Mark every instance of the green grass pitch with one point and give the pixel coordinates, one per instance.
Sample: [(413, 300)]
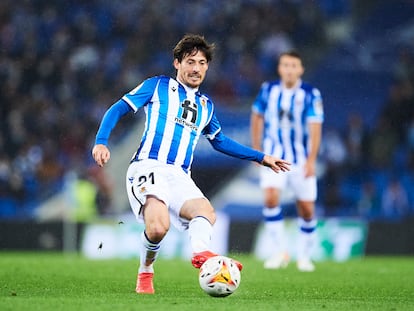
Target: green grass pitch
[(52, 281)]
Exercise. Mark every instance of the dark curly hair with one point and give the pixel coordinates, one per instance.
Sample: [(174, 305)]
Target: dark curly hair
[(191, 44)]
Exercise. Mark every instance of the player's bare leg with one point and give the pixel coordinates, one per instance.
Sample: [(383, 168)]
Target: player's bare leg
[(156, 227)]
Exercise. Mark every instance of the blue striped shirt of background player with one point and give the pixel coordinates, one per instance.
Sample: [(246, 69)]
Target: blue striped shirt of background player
[(176, 117), (286, 113)]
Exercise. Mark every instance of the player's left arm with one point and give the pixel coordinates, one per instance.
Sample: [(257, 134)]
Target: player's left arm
[(226, 145), (315, 134), (315, 120)]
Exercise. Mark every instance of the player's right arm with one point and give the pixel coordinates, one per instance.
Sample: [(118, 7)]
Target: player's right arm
[(100, 151), (130, 102)]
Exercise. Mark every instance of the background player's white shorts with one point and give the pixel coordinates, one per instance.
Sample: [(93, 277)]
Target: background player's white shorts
[(304, 189), (167, 182)]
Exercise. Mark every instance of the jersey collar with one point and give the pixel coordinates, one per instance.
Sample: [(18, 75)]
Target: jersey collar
[(187, 88)]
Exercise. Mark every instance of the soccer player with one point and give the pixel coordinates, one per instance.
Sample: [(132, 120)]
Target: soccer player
[(286, 121), (158, 180)]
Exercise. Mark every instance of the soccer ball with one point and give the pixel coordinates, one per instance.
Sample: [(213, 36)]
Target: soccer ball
[(219, 276)]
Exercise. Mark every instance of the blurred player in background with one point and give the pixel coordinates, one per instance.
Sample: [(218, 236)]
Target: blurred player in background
[(286, 121), (158, 181)]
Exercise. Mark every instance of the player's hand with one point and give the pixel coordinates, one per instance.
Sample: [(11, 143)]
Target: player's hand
[(310, 168), (276, 164), (101, 154)]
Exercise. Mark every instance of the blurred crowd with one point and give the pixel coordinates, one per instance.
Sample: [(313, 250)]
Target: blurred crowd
[(370, 167), (62, 63)]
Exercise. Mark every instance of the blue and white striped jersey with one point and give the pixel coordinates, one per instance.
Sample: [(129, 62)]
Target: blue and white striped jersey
[(287, 113), (176, 116)]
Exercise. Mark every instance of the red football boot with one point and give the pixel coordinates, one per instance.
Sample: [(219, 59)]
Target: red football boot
[(200, 258), (144, 283)]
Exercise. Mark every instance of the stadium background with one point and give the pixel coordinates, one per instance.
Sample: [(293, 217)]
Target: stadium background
[(62, 63)]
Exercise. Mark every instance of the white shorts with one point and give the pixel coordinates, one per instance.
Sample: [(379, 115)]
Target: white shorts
[(304, 189), (168, 183)]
